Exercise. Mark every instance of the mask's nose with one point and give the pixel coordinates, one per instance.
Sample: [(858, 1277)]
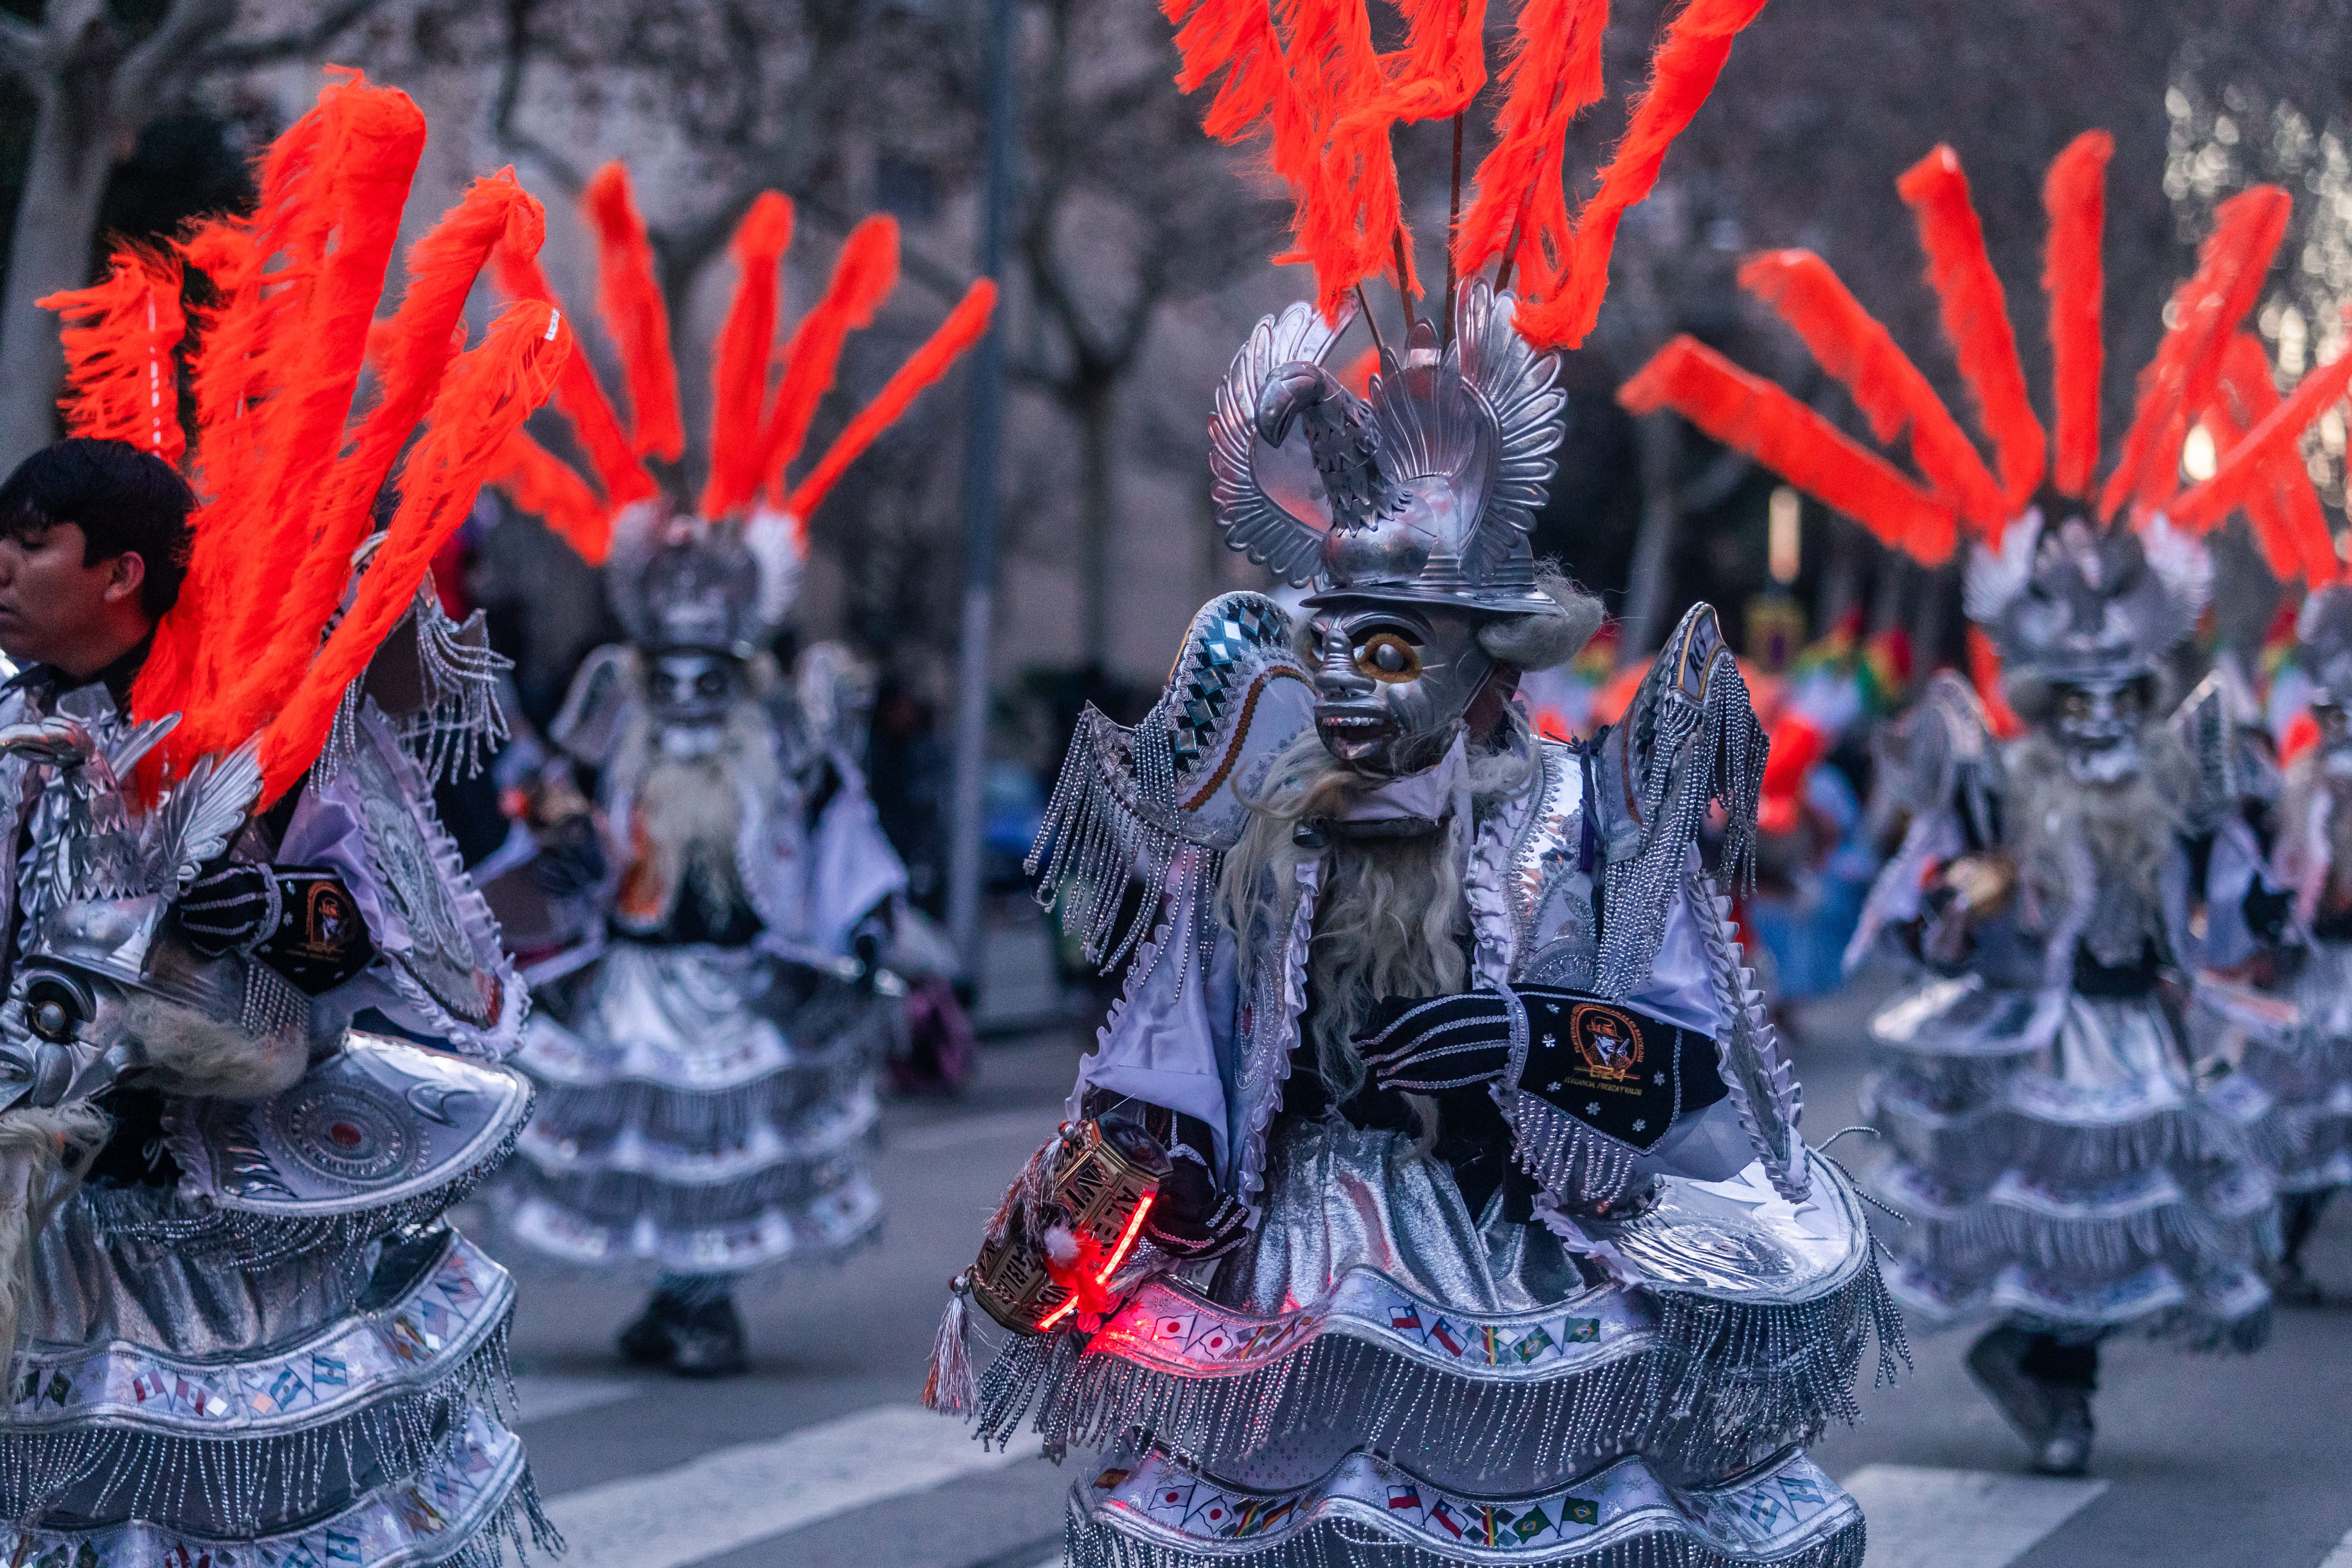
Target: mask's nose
[(1335, 672)]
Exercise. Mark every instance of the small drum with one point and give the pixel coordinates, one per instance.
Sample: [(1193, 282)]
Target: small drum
[(1103, 1184)]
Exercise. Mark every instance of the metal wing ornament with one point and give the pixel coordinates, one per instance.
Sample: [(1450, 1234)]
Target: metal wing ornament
[(203, 813), (1516, 386), (1270, 498)]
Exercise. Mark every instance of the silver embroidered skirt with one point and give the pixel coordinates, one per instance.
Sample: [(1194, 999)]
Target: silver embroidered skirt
[(2294, 1084), (2059, 1167), (1383, 1378), (701, 1111), (289, 1358)]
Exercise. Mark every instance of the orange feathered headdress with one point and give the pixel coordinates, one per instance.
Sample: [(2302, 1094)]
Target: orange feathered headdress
[(1306, 75), (288, 461), (756, 430), (2204, 371)]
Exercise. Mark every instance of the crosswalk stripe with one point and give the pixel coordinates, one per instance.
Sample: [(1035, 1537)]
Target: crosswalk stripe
[(2342, 1556), (542, 1397), (1919, 1517), (735, 1495)]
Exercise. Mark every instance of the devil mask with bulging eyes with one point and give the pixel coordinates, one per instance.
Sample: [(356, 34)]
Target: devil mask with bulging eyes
[(1395, 682)]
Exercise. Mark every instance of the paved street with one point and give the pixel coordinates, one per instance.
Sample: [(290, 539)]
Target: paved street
[(821, 1457)]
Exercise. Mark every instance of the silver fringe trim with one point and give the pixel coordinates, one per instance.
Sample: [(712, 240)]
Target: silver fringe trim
[(1335, 1543), (1099, 834), (1717, 1380), (232, 1238), (249, 1486), (457, 732), (1571, 1161), (1698, 753)]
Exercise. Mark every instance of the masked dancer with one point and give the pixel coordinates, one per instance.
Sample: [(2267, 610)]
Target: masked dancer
[(2297, 1052), (709, 1032), (2061, 1168), (254, 1011), (1435, 1188)]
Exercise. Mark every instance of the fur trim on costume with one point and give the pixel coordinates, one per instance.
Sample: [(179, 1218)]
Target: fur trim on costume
[(196, 1054)]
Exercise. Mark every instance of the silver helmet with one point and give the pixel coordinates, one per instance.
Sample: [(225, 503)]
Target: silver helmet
[(2077, 604), (1424, 491)]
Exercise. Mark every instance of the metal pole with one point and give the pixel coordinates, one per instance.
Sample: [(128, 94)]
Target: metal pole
[(983, 430)]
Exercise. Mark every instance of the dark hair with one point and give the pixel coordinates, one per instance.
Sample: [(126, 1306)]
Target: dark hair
[(122, 499)]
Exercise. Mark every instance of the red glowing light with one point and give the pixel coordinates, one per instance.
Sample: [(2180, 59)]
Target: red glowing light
[(1126, 1239)]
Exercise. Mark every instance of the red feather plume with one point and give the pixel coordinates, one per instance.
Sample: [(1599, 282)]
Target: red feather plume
[(2268, 456), (1237, 38), (1683, 71), (480, 404), (411, 353), (2282, 508), (121, 337), (1755, 417), (1552, 75), (277, 362), (290, 481), (1976, 319), (579, 398), (542, 484), (863, 276), (2074, 194), (1861, 354), (2178, 384), (629, 298), (965, 326), (738, 365)]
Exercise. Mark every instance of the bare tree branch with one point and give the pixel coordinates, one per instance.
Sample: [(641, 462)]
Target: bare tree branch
[(23, 51), (237, 54)]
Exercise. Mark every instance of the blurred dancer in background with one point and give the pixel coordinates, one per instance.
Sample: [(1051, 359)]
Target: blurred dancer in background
[(714, 901), (2060, 1165), (255, 1010)]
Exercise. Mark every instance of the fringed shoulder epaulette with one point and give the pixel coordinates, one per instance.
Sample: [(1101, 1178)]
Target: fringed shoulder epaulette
[(1689, 739), (437, 679), (1131, 802), (2230, 770)]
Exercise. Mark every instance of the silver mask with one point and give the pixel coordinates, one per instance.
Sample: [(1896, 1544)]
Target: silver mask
[(1394, 682), (689, 691), (2097, 725)]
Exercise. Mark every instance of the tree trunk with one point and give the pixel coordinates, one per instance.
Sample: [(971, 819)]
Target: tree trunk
[(75, 141), (1095, 406), (1658, 440)]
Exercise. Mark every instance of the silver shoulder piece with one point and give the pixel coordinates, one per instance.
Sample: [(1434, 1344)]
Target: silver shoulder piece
[(1748, 1053), (2207, 725), (1271, 501), (1690, 739), (1939, 756), (1130, 803), (379, 1135), (597, 708)]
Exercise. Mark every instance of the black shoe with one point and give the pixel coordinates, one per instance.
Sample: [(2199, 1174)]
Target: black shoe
[(1997, 1362), (709, 1343), (2067, 1451), (652, 1339)]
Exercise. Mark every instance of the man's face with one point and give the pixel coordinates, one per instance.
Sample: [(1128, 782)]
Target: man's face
[(1393, 683), (54, 609)]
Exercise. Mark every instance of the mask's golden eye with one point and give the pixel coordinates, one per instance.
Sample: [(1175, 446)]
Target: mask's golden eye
[(1388, 657)]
